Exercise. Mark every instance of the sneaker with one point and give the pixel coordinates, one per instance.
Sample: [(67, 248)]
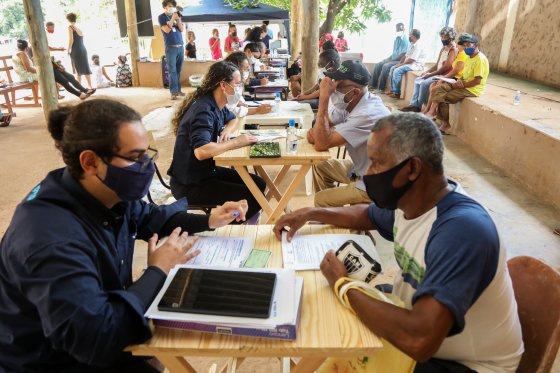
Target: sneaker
[(410, 108), (174, 96)]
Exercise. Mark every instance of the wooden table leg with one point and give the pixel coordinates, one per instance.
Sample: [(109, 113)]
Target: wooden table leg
[(176, 364), (8, 103), (308, 364), (288, 193), (232, 363), (278, 179), (259, 196), (272, 190)]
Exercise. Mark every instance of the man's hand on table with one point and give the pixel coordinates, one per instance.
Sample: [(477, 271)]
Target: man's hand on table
[(264, 81), (173, 251), (228, 212), (293, 221), (332, 268), (264, 109)]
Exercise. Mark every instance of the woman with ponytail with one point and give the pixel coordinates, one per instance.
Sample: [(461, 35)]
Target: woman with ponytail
[(69, 303), (203, 126)]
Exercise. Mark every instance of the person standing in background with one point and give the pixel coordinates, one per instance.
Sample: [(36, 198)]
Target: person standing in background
[(232, 43), (190, 51), (172, 29), (214, 43), (268, 30), (77, 50), (341, 44)]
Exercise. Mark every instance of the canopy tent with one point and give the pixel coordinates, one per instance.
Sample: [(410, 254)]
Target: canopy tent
[(217, 11)]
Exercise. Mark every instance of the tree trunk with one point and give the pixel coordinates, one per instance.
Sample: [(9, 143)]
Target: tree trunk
[(132, 28), (310, 49), (332, 10), (296, 28), (41, 55)]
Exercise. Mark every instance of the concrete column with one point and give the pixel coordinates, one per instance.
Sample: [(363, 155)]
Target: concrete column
[(511, 18), (41, 55), (310, 43)]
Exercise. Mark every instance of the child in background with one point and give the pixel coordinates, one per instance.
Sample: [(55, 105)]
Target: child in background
[(190, 49), (124, 74), (100, 76), (341, 44), (215, 47)]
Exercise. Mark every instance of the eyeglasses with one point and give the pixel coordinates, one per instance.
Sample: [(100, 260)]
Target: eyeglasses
[(145, 159)]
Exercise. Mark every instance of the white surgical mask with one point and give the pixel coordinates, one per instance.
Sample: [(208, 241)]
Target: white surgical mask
[(337, 100), (321, 73), (172, 10), (254, 60), (233, 100), (245, 75)]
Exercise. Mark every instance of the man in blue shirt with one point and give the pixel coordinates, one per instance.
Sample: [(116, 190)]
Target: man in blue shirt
[(381, 69), (172, 29), (68, 300), (459, 308)]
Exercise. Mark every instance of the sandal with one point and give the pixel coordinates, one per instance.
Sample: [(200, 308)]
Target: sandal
[(91, 91), (6, 120)]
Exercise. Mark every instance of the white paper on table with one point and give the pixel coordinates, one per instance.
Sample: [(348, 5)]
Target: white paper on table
[(221, 251), (306, 252), (283, 303), (447, 80)]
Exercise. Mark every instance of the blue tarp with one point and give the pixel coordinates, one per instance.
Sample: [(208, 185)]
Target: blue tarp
[(216, 11)]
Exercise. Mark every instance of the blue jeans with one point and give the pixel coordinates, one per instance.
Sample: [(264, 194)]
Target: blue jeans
[(396, 77), (421, 91), (175, 57), (381, 84)]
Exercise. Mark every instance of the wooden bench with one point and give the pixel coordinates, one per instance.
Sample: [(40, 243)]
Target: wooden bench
[(9, 91)]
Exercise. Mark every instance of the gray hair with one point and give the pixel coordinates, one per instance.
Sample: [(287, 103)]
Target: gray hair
[(413, 135)]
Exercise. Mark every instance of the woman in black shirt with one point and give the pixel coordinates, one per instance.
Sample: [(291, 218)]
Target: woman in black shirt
[(190, 49), (204, 126)]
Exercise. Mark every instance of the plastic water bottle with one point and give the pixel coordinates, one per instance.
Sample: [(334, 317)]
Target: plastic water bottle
[(281, 76), (291, 138), (277, 101), (517, 98)]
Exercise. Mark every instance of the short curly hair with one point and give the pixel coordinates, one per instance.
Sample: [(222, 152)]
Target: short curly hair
[(449, 31), (71, 17)]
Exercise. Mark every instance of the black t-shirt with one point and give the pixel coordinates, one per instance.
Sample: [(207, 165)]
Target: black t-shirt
[(191, 50)]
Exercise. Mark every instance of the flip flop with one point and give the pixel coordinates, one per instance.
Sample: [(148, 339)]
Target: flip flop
[(6, 120)]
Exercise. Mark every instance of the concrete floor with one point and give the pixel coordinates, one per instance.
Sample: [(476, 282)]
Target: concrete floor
[(526, 224)]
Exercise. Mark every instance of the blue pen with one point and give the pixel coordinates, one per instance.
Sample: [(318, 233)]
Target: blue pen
[(235, 214)]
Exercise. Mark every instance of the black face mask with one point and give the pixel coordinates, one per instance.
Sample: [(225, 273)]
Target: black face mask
[(234, 34), (379, 187), (446, 42), (410, 39)]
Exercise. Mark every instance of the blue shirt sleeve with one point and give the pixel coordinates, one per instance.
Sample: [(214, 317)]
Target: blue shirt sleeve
[(383, 220), (228, 115), (151, 218), (162, 19), (462, 255), (202, 127)]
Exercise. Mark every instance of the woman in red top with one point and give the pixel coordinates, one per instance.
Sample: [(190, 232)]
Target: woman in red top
[(232, 43), (341, 44), (214, 42)]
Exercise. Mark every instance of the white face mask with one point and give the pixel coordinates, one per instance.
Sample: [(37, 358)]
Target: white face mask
[(337, 100), (400, 33), (171, 11), (233, 100), (254, 60), (321, 73), (245, 76)]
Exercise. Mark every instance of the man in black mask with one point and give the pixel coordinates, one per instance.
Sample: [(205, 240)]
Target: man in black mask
[(459, 310)]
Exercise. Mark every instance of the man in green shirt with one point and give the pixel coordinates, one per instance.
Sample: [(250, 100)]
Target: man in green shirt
[(471, 84)]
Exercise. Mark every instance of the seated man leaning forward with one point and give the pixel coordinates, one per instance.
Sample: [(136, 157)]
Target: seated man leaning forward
[(346, 121), (460, 309), (69, 303)]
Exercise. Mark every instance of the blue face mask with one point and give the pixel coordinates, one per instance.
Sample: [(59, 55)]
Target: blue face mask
[(469, 51), (130, 183)]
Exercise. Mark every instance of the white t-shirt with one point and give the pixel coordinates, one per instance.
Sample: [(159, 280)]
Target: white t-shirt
[(454, 254), (418, 54), (355, 127)]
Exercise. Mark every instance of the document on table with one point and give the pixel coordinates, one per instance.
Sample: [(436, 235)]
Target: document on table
[(447, 80), (267, 135), (221, 251), (306, 252)]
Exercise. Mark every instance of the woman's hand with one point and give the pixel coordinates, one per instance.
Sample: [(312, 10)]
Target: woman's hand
[(244, 140), (228, 212), (264, 109), (264, 81), (172, 252), (226, 134)]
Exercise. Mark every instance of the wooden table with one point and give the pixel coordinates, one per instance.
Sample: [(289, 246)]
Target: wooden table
[(305, 157), (326, 328)]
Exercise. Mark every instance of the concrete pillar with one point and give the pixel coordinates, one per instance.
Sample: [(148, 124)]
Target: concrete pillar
[(132, 29), (310, 43), (41, 55), (513, 7)]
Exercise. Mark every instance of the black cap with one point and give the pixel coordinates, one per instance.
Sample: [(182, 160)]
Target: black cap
[(354, 71)]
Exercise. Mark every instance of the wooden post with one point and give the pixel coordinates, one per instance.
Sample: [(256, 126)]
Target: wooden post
[(296, 28), (310, 43), (41, 55), (132, 29)]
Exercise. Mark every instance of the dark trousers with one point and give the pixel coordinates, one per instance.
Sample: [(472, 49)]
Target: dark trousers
[(381, 73), (69, 83), (226, 186), (441, 366)]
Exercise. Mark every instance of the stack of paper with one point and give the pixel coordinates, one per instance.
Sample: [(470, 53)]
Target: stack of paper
[(281, 324)]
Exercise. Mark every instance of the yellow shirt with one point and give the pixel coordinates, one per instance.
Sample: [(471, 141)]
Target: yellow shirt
[(461, 57), (476, 66)]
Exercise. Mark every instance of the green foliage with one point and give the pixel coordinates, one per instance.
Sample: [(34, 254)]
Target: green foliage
[(355, 13), (12, 20), (242, 4)]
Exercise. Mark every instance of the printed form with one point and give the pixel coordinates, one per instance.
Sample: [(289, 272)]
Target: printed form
[(221, 251)]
